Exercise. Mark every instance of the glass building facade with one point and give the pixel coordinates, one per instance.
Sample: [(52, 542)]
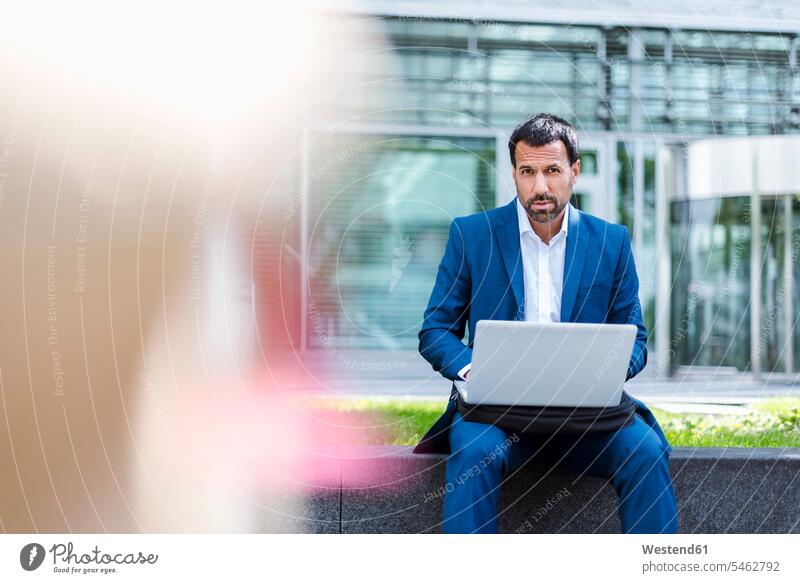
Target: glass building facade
[(424, 109)]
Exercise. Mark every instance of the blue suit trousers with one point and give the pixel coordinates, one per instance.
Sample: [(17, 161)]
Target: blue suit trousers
[(634, 459)]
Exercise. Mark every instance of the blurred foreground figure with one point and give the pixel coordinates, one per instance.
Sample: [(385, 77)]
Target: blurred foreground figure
[(146, 347)]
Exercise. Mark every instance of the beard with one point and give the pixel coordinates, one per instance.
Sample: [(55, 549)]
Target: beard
[(543, 216)]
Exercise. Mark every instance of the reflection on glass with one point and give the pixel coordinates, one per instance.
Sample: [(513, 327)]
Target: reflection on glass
[(794, 302), (779, 261), (714, 82), (380, 209), (589, 162), (711, 274), (625, 193), (579, 200), (646, 260)]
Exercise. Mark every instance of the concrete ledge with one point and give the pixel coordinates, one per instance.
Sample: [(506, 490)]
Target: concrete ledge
[(387, 489)]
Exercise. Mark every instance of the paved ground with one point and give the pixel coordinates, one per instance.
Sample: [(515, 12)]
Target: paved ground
[(709, 395)]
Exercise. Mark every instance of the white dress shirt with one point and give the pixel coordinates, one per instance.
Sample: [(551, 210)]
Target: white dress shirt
[(543, 271)]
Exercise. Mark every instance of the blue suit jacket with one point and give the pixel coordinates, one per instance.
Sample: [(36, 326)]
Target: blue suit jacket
[(480, 278)]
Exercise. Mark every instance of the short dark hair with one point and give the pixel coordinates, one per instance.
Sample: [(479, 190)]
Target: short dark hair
[(545, 129)]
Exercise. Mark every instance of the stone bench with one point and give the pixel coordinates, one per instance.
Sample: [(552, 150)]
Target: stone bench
[(387, 489)]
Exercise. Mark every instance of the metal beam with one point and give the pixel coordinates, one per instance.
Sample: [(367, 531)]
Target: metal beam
[(755, 272), (590, 14), (663, 278), (788, 286)]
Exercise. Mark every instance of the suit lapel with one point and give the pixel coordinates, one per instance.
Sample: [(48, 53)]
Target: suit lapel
[(506, 231), (577, 242)]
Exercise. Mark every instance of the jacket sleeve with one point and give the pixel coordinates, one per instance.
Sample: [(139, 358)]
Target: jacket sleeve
[(625, 307), (445, 318)]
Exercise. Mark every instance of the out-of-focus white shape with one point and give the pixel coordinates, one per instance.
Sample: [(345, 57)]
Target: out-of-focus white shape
[(208, 59), (738, 166)]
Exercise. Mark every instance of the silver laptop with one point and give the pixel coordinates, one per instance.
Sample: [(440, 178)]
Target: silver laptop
[(548, 364)]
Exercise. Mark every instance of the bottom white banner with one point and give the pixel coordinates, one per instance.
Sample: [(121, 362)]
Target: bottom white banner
[(354, 558)]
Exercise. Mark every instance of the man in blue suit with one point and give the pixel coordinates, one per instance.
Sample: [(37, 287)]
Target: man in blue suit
[(540, 259)]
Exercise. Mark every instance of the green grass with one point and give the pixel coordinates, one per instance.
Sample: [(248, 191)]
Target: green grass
[(772, 423)]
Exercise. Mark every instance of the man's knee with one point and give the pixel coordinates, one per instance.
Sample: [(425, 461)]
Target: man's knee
[(480, 444), (642, 454)]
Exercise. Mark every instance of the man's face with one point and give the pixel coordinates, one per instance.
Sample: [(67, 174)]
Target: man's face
[(544, 179)]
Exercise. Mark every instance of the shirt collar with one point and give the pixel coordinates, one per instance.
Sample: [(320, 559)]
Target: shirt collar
[(525, 224)]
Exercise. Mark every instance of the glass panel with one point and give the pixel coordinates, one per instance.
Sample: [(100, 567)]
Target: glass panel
[(589, 162), (795, 296), (380, 208), (711, 274), (646, 260), (412, 70), (548, 34), (625, 195), (579, 200), (540, 69), (773, 301)]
